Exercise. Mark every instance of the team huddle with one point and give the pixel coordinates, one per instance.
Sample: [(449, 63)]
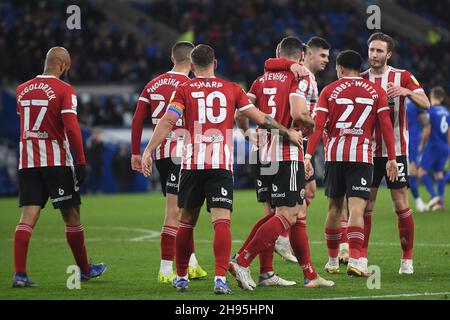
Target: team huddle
[(361, 118)]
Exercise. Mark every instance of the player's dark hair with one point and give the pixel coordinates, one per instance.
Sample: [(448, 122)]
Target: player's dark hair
[(349, 59), (318, 43), (291, 47), (438, 93), (382, 37), (202, 55), (181, 51)]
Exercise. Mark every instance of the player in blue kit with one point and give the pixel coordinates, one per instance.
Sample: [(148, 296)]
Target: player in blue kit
[(417, 120), (435, 146)]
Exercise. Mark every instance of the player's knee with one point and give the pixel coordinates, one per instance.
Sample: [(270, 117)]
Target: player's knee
[(71, 215)]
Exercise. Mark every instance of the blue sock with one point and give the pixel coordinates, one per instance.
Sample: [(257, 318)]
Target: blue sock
[(428, 183), (414, 186), (441, 188)]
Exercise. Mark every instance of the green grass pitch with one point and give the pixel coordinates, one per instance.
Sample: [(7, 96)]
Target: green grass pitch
[(123, 231)]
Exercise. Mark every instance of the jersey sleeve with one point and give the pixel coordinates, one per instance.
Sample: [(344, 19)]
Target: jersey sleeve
[(177, 102), (253, 90), (140, 114), (278, 64), (410, 82), (320, 121), (302, 87), (382, 104), (242, 100), (69, 102)]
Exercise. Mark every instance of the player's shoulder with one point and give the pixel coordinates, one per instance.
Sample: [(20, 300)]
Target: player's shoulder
[(365, 74)]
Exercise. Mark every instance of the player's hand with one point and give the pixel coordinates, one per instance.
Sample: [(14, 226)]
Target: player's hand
[(392, 170), (136, 162), (397, 91), (80, 173), (309, 169), (299, 71), (147, 163), (296, 137)]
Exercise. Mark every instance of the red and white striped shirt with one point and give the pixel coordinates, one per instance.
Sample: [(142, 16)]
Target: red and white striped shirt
[(394, 77), (153, 102), (42, 104), (348, 110), (271, 92), (307, 88), (208, 106)]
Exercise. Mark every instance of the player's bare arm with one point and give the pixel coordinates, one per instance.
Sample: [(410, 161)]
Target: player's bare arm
[(267, 122), (387, 132), (419, 98), (162, 131), (300, 114)]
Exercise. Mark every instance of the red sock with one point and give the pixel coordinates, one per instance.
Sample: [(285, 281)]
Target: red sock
[(184, 249), (266, 261), (333, 237), (285, 234), (406, 232), (367, 228), (344, 225), (300, 246), (75, 238), (22, 237), (222, 246), (168, 235), (254, 229), (355, 240), (264, 239)]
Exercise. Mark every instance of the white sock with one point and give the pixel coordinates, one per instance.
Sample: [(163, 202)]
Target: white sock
[(333, 261), (283, 239), (224, 279), (166, 267), (183, 277), (193, 261)]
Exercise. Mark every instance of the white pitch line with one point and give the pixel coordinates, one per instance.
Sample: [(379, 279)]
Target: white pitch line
[(404, 295)]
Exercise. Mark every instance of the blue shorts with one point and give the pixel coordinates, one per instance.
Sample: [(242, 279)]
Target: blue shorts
[(434, 158)]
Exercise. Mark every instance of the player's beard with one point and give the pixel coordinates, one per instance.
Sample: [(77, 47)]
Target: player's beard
[(378, 64)]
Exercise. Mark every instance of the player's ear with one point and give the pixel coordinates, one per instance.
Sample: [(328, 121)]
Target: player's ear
[(192, 67), (172, 59), (389, 55), (215, 64)]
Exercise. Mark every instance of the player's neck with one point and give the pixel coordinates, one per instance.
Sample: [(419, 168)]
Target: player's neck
[(181, 69), (350, 75), (50, 72), (204, 74), (309, 67), (381, 70)]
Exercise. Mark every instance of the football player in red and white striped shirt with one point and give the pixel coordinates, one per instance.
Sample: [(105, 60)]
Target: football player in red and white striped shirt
[(281, 95), (208, 105), (398, 84), (48, 129), (153, 103), (348, 109)]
